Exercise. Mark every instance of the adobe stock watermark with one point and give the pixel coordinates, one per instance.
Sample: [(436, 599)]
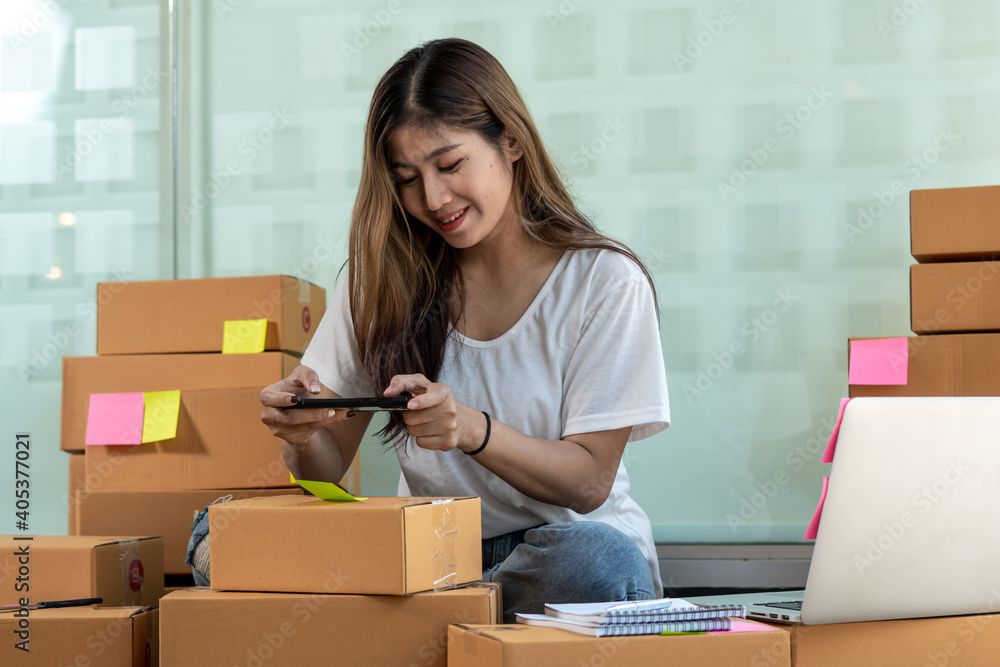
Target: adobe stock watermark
[(596, 147), (563, 11), (786, 127), (752, 330), (36, 22), (901, 14), (713, 29), (795, 460), (86, 312), (252, 146), (923, 500), (364, 33), (915, 166), (123, 107)]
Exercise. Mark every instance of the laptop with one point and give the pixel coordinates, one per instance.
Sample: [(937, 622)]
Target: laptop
[(911, 523)]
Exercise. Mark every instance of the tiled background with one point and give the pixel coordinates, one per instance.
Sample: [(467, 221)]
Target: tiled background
[(732, 143)]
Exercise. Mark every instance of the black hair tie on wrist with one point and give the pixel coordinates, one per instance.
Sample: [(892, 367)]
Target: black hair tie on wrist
[(489, 427)]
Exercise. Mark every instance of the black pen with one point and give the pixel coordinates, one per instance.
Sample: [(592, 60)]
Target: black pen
[(81, 602)]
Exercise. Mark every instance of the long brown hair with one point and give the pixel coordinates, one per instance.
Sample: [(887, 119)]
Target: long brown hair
[(404, 282)]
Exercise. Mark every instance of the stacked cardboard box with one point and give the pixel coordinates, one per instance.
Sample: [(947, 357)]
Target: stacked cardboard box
[(308, 577), (169, 336), (954, 297), (124, 573)]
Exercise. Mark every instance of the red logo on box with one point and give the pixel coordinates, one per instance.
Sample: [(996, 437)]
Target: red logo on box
[(306, 319), (135, 575)]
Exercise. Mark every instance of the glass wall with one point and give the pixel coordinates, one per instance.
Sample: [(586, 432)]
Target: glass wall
[(80, 90), (757, 154)]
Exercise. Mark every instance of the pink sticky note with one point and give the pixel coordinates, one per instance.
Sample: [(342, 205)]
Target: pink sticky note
[(814, 524), (744, 626), (114, 419), (831, 444), (878, 361)]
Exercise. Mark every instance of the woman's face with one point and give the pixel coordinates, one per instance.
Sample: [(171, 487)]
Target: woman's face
[(453, 182)]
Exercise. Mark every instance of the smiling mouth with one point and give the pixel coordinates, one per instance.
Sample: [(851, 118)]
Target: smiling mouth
[(452, 218)]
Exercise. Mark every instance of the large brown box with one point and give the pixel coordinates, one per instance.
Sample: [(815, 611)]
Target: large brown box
[(166, 513), (221, 444), (121, 570), (955, 641), (955, 297), (955, 224), (302, 629), (524, 645), (85, 637), (379, 546), (162, 316), (83, 376), (944, 365)]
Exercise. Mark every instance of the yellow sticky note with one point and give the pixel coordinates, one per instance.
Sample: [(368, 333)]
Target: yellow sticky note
[(244, 336), (159, 418), (326, 491)]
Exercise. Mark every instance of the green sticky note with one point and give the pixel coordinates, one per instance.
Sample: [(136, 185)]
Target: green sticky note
[(159, 418), (243, 336), (327, 491)]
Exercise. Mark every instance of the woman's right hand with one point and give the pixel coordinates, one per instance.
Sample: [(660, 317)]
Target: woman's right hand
[(297, 426)]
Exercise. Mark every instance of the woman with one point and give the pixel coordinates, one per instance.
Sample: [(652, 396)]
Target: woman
[(528, 341)]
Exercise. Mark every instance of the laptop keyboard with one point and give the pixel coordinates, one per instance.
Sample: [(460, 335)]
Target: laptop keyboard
[(795, 605)]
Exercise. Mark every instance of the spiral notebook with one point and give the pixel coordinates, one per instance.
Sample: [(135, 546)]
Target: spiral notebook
[(648, 617)]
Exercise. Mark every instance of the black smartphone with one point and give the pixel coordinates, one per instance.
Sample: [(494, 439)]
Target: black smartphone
[(368, 404)]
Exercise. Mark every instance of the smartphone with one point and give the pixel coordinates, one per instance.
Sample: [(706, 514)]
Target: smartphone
[(369, 404)]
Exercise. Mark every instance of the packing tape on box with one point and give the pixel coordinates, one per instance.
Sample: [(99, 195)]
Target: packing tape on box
[(444, 560), (132, 572)]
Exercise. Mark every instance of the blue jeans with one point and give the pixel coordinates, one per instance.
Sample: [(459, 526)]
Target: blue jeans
[(580, 561), (199, 531)]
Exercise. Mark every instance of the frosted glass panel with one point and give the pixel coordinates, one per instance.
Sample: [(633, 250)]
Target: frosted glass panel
[(26, 152), (25, 243), (747, 160), (105, 147), (105, 57)]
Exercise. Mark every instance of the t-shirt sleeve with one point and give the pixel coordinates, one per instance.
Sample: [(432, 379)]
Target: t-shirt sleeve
[(333, 350), (615, 376)]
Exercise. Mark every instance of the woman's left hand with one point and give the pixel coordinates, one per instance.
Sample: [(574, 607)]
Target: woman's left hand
[(434, 417)]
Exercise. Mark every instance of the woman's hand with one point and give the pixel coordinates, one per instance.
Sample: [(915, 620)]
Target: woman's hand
[(297, 426), (435, 418)]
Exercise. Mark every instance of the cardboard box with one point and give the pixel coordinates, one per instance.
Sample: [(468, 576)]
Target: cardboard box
[(167, 316), (945, 365), (166, 513), (83, 376), (221, 444), (121, 570), (296, 629), (379, 546), (955, 641), (955, 297), (77, 475), (955, 224), (524, 645), (84, 636)]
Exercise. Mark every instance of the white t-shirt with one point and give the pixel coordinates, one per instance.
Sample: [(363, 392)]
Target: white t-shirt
[(584, 357)]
